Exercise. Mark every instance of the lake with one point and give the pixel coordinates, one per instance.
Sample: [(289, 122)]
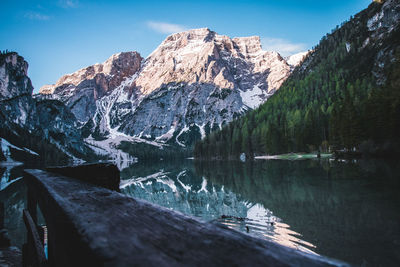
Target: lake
[(344, 210)]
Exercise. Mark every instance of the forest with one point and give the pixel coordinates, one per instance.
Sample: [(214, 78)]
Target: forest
[(336, 100)]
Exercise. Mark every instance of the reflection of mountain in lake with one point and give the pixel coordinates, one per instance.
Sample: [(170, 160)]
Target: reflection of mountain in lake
[(178, 187), (183, 193), (349, 211)]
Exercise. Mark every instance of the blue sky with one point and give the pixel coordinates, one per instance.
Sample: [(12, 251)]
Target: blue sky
[(61, 36)]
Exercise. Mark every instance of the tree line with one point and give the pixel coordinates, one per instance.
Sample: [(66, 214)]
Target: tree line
[(333, 101)]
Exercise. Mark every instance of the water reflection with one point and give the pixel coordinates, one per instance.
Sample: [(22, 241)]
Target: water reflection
[(14, 199), (347, 211), (185, 192), (13, 193), (179, 187)]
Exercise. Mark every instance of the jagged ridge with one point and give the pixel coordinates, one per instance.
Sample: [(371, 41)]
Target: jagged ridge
[(193, 82)]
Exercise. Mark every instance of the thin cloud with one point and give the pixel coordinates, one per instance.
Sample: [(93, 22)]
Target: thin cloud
[(167, 28), (68, 3), (284, 47), (36, 16)]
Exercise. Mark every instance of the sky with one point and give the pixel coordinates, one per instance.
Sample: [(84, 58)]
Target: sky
[(61, 36)]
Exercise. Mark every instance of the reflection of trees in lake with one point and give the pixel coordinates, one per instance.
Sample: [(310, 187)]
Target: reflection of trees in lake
[(349, 211), (176, 185)]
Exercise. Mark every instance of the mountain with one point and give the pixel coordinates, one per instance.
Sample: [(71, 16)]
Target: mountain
[(195, 81), (80, 90), (17, 105), (344, 96), (39, 127), (296, 59)]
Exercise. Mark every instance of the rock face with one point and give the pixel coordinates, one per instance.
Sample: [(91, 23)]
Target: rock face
[(16, 103), (80, 90), (60, 126), (202, 56), (14, 81), (381, 26), (385, 21), (49, 119), (193, 82), (377, 26)]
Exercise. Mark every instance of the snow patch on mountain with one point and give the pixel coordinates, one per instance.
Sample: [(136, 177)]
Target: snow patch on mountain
[(185, 129), (168, 135), (348, 47), (254, 97), (196, 77), (202, 130), (297, 59)]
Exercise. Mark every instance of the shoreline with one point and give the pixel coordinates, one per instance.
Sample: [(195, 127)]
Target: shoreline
[(295, 156)]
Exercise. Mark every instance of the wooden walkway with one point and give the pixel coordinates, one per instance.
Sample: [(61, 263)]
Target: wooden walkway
[(90, 225)]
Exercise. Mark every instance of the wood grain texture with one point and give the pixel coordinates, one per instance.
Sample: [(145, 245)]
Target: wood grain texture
[(101, 174), (94, 226)]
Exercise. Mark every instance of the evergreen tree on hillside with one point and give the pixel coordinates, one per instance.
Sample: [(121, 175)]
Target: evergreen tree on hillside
[(332, 101)]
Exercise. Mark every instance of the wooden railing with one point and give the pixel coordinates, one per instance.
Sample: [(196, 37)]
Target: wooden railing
[(89, 225), (33, 251)]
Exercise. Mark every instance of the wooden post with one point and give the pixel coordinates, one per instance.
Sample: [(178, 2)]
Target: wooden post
[(34, 249)]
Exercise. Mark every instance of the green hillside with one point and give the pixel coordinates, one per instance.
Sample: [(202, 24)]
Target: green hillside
[(345, 95)]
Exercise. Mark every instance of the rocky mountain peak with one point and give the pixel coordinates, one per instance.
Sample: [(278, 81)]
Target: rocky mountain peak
[(13, 76), (201, 34), (24, 119), (203, 56), (248, 46), (81, 89), (115, 68), (192, 82)]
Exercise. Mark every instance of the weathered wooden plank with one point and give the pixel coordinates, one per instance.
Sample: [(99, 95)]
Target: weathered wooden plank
[(35, 246), (93, 226), (101, 174)]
